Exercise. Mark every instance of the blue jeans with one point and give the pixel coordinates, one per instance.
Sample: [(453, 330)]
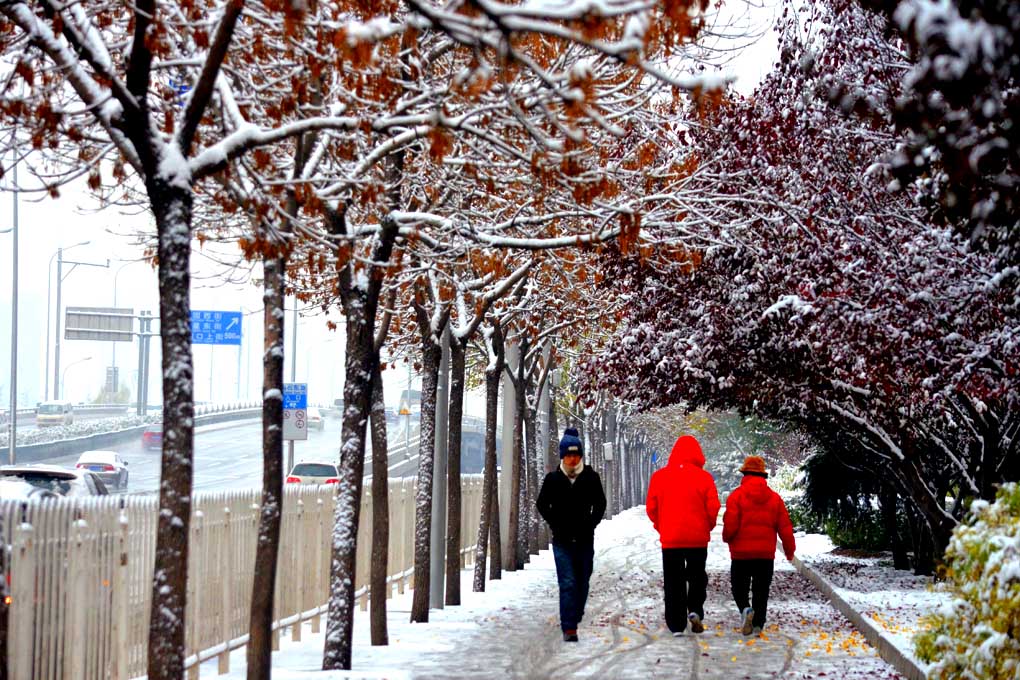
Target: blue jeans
[(574, 563)]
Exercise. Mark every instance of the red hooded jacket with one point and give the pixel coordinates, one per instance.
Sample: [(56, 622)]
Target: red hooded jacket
[(682, 501), (754, 515)]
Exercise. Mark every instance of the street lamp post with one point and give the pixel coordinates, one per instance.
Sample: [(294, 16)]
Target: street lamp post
[(63, 376), (113, 356), (56, 340), (12, 427), (49, 282)]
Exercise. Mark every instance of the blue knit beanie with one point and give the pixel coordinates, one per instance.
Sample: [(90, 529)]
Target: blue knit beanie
[(571, 443)]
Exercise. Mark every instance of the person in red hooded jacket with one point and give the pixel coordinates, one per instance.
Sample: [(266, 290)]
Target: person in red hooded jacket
[(683, 505), (755, 514)]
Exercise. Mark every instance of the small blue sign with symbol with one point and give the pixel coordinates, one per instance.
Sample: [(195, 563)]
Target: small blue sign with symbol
[(655, 456), (215, 328), (295, 396)]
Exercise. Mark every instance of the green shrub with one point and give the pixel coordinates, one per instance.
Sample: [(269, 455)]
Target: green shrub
[(802, 517), (864, 531), (976, 634)]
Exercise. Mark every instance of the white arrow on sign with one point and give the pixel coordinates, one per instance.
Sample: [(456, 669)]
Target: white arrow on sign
[(233, 322)]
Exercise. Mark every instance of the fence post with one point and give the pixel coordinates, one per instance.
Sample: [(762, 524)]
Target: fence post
[(74, 632), (277, 599), (223, 661), (317, 558), (299, 572), (195, 575), (22, 611), (120, 601)]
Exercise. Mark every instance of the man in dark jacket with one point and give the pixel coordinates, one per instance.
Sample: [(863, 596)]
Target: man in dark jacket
[(572, 502)]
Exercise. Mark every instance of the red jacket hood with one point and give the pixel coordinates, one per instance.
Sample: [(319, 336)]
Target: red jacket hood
[(687, 450), (756, 488)]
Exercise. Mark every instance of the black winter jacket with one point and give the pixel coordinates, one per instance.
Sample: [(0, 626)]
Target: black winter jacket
[(572, 510)]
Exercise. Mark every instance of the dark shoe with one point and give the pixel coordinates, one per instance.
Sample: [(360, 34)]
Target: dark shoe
[(748, 625), (570, 636), (696, 625), (756, 631)]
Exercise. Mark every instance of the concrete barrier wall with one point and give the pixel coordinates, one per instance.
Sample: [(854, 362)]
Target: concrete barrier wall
[(38, 453)]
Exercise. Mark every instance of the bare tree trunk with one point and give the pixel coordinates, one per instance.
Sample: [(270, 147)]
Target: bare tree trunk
[(552, 459), (453, 490), (495, 544), (490, 492), (531, 432), (380, 512), (172, 206), (360, 305), (259, 651), (431, 357), (519, 497), (357, 393)]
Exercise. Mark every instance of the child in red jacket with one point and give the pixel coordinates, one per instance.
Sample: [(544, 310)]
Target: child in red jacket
[(755, 514)]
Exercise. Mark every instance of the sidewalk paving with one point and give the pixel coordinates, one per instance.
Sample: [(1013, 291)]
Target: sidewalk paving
[(512, 631)]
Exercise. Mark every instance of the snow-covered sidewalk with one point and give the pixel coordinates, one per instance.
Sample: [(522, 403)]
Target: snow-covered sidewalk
[(511, 631), (892, 601)]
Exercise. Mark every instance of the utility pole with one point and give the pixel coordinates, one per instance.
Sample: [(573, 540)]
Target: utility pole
[(60, 280), (293, 379), (12, 428), (437, 556), (407, 416), (509, 394), (56, 337)]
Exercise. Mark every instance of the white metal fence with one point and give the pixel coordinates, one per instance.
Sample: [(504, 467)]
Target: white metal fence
[(81, 574)]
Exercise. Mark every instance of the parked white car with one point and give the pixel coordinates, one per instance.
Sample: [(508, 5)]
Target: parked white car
[(313, 472), (107, 465), (314, 419), (12, 489), (59, 480)]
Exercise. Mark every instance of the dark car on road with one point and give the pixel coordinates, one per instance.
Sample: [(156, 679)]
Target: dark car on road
[(152, 437)]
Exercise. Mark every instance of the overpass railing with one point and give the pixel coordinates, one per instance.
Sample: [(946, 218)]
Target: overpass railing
[(81, 574)]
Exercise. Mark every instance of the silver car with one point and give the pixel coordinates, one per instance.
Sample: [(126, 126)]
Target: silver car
[(58, 480), (107, 465), (313, 472)]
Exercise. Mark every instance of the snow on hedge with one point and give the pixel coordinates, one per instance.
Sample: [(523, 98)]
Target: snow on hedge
[(974, 635)]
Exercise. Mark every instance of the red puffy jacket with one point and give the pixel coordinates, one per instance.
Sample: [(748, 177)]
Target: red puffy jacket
[(754, 515), (682, 501)]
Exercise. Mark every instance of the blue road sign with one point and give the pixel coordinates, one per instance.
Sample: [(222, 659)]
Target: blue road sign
[(655, 456), (295, 396), (215, 328)]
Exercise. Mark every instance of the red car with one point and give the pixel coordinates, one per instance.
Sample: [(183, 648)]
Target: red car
[(152, 437)]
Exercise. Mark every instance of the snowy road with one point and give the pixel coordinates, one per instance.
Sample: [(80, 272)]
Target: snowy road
[(512, 631), (227, 456)]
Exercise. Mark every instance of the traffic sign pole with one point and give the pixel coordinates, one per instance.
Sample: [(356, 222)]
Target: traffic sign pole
[(295, 416)]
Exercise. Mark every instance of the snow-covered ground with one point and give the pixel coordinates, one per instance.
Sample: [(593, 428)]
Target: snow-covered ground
[(511, 631), (894, 600)]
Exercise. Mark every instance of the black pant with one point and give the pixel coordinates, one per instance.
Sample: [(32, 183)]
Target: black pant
[(684, 581), (755, 575)]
